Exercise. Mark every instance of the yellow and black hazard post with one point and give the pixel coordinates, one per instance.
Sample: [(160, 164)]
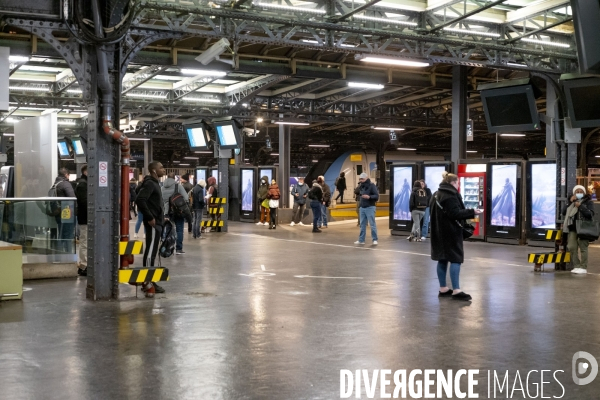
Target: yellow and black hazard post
[(216, 213), (559, 258)]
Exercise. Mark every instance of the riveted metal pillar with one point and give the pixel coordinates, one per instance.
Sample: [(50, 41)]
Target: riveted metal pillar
[(283, 178), (459, 114)]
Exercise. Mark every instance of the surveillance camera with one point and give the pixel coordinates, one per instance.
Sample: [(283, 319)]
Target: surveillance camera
[(214, 52), (250, 132), (132, 126)]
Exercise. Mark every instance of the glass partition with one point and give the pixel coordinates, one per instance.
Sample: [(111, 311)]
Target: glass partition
[(45, 228)]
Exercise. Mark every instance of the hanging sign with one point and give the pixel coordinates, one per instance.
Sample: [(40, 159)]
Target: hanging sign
[(469, 128), (356, 157), (103, 174)]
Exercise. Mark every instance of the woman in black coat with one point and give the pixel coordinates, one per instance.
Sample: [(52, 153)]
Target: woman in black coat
[(340, 184), (446, 234)]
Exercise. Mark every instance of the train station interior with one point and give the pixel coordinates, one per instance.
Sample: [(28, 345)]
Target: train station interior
[(261, 199)]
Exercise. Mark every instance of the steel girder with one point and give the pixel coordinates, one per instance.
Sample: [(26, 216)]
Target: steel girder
[(142, 76)]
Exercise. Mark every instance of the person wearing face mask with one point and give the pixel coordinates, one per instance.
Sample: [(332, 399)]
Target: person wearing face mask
[(263, 190), (580, 206), (300, 193), (448, 213)]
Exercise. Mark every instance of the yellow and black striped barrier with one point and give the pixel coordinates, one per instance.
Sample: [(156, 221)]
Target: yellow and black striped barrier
[(131, 247), (141, 275), (217, 200), (553, 234), (216, 210), (547, 258), (212, 224)]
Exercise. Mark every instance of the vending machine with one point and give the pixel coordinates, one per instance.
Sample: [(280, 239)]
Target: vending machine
[(541, 202), (248, 189), (504, 223), (402, 178)]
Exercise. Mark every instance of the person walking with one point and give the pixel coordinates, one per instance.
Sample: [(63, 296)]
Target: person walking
[(197, 207), (326, 200), (273, 195), (368, 198), (417, 205), (185, 182), (425, 230), (340, 185), (357, 199), (132, 194), (580, 206), (300, 193), (81, 191), (261, 196), (316, 201), (448, 214), (170, 188), (150, 203)]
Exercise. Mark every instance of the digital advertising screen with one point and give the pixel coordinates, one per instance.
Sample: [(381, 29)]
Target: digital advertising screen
[(504, 197), (266, 172), (433, 176), (402, 189), (200, 174), (63, 149), (543, 196), (78, 147), (247, 190), (197, 138), (227, 136)]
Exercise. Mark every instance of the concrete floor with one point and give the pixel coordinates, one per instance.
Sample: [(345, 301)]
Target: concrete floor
[(261, 314)]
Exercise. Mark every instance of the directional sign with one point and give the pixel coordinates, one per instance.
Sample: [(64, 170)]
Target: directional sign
[(103, 174)]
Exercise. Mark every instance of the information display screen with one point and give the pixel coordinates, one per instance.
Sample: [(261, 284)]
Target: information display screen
[(402, 177), (247, 190), (226, 135), (200, 174), (504, 198), (197, 137), (78, 147), (266, 172), (63, 149), (433, 176), (543, 196)]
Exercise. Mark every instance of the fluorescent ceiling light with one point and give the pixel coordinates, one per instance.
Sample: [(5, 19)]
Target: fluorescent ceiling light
[(185, 165), (74, 91), (147, 96), (138, 139), (395, 61), (319, 145), (470, 32), (274, 154), (11, 120), (310, 41), (176, 162), (29, 89), (385, 20), (513, 134), (190, 158), (66, 122), (315, 161), (18, 58), (386, 128), (365, 85), (8, 134), (471, 151), (196, 72), (348, 45), (203, 152), (545, 43), (406, 149), (289, 8), (291, 123), (515, 65), (12, 134), (203, 100)]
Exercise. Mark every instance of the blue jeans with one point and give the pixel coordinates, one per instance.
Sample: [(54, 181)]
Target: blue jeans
[(425, 229), (316, 209), (196, 229), (323, 219), (138, 223), (442, 268), (367, 214), (179, 222)]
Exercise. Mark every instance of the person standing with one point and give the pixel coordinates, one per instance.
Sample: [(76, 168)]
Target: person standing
[(197, 207), (132, 195), (326, 201), (580, 206), (357, 199), (170, 187), (340, 185), (300, 193), (425, 230), (212, 192), (185, 182), (417, 205), (82, 213), (316, 201), (261, 196), (150, 204), (273, 195), (368, 198), (66, 228), (448, 214)]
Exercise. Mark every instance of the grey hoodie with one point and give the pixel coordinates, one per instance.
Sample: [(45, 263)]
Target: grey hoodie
[(167, 191)]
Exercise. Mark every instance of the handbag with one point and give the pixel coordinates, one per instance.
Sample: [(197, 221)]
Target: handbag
[(467, 229), (273, 203), (587, 229), (265, 203)]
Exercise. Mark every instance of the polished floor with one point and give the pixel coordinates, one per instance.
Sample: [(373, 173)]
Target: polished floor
[(262, 314)]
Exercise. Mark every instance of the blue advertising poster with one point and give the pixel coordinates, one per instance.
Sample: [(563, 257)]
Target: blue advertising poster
[(247, 189), (433, 176), (504, 180), (543, 196), (402, 189)]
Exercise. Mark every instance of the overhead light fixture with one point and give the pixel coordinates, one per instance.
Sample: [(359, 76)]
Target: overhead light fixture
[(545, 43), (290, 8), (18, 59), (147, 96), (348, 45), (29, 88), (406, 149), (393, 61), (310, 41), (385, 20), (7, 134), (471, 151), (72, 123), (196, 72), (184, 165), (11, 120), (319, 145), (513, 134), (274, 154), (315, 161), (365, 85), (292, 123), (203, 152), (201, 99), (259, 120), (138, 139), (386, 128), (470, 32), (12, 134), (190, 158), (78, 91), (176, 162), (516, 65)]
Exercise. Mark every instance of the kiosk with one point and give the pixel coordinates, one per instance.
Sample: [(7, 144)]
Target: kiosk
[(503, 210), (541, 202), (402, 177), (248, 189)]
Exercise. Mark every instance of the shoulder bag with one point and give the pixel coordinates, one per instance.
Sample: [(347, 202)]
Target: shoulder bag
[(467, 229), (587, 229)]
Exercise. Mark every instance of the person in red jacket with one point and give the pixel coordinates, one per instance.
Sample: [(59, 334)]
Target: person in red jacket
[(273, 195)]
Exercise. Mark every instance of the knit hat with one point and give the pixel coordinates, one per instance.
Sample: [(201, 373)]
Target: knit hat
[(202, 183), (578, 187)]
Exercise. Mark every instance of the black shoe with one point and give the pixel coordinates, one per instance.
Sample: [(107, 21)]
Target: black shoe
[(462, 296), (270, 227), (445, 294), (81, 272), (177, 252), (317, 231), (158, 289), (274, 227)]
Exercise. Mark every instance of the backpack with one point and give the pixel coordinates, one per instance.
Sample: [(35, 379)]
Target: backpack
[(337, 180), (53, 207), (421, 199), (178, 205), (169, 239)]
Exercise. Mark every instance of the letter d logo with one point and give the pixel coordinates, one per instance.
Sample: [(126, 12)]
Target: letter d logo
[(583, 367)]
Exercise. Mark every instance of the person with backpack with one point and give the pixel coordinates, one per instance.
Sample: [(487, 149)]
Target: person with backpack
[(300, 193), (580, 206), (417, 205), (176, 206), (82, 213), (65, 228), (185, 182), (273, 195), (198, 206), (340, 185), (315, 194), (369, 195), (149, 201), (212, 191)]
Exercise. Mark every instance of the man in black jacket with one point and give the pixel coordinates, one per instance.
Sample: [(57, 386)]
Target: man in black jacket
[(368, 198), (150, 203), (185, 182), (425, 229), (65, 226), (81, 194)]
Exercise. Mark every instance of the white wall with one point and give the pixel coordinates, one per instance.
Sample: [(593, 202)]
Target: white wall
[(4, 70)]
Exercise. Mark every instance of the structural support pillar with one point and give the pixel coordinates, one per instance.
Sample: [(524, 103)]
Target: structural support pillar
[(283, 177), (147, 157), (552, 115), (223, 187), (459, 114)]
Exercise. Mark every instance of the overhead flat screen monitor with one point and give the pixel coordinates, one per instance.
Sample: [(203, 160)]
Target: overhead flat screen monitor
[(268, 172), (247, 190), (510, 109), (78, 147), (228, 135), (197, 136), (504, 196), (542, 195), (201, 174), (433, 176), (63, 149), (403, 180), (583, 101)]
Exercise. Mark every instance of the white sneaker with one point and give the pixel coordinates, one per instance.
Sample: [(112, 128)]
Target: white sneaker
[(375, 242), (300, 223), (358, 242), (423, 238), (292, 224), (135, 236), (578, 271), (259, 223), (409, 238)]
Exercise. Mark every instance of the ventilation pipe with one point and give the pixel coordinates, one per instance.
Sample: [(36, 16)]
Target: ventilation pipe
[(107, 125)]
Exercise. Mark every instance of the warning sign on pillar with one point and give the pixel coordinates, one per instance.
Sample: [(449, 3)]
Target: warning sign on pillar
[(563, 176), (103, 174)]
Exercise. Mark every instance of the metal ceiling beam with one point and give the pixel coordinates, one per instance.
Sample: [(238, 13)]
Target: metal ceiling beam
[(142, 76), (466, 15), (356, 10)]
